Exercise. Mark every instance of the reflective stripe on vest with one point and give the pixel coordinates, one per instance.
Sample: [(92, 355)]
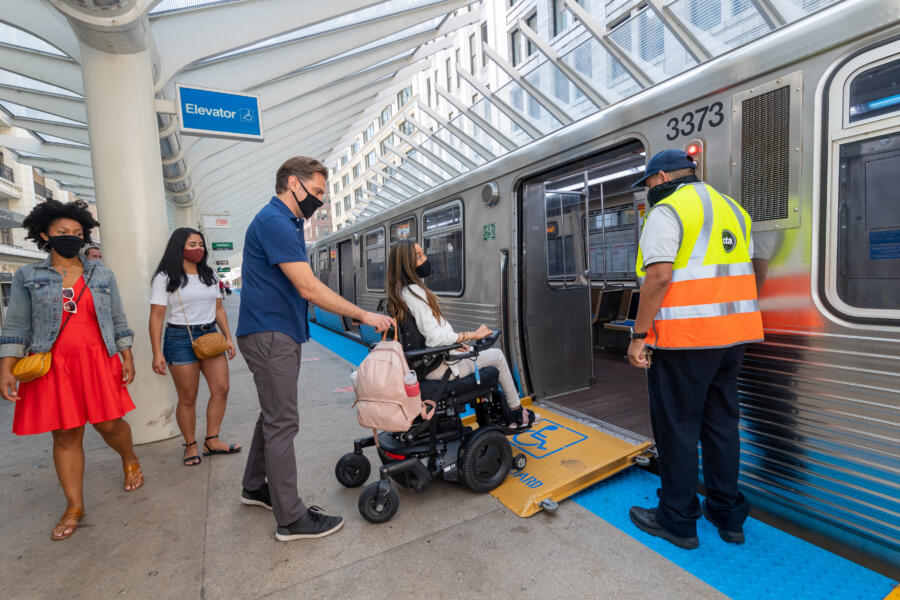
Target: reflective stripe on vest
[(711, 300)]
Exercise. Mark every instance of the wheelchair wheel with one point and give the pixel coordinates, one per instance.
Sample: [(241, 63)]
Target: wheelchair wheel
[(352, 470), (486, 461), (369, 505)]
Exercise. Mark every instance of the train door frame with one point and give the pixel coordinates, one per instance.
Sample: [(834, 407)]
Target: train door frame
[(345, 259)]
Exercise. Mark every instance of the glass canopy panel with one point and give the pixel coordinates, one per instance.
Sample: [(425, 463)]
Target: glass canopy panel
[(454, 142), (721, 25), (555, 85), (347, 21), (20, 81), (605, 73), (493, 115), (17, 110), (478, 134), (650, 44), (46, 137), (445, 156), (16, 37), (525, 104), (807, 6), (172, 6)]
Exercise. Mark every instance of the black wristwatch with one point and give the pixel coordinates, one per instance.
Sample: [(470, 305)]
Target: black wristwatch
[(635, 335)]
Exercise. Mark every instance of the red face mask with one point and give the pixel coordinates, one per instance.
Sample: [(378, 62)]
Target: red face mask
[(194, 255)]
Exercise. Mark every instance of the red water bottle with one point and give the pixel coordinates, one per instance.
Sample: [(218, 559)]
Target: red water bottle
[(411, 383)]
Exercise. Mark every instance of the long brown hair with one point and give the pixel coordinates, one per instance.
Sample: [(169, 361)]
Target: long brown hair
[(401, 272)]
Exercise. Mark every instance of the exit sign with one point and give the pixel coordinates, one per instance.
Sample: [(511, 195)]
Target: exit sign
[(223, 269), (223, 246)]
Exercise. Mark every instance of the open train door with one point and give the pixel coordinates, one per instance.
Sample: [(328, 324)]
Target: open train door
[(556, 293), (347, 276)]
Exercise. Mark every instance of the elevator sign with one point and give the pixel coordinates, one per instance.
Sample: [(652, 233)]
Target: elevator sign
[(218, 113)]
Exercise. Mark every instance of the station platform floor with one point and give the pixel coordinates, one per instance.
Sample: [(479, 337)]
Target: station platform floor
[(185, 534)]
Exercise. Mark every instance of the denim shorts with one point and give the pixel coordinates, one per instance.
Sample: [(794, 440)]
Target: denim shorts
[(177, 348)]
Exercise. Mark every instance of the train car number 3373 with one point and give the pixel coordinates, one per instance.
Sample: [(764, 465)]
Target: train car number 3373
[(693, 121)]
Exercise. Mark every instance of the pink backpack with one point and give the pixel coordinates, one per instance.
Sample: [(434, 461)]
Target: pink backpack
[(381, 398)]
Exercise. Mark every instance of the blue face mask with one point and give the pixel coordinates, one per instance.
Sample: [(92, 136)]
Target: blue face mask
[(95, 261)]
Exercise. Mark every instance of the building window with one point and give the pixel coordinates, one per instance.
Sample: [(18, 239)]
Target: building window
[(385, 115), (456, 55), (443, 242), (386, 144), (337, 208), (336, 188), (369, 132), (346, 203), (345, 180), (357, 170), (472, 55), (560, 16), (515, 47), (403, 96), (344, 159), (370, 186), (355, 147), (357, 195), (484, 43), (703, 14), (406, 127), (531, 21), (449, 75), (6, 237), (370, 159), (375, 249)]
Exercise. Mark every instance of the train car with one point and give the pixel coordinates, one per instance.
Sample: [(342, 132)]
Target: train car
[(802, 127)]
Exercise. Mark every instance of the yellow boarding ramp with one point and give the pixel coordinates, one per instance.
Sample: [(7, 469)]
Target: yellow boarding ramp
[(565, 456)]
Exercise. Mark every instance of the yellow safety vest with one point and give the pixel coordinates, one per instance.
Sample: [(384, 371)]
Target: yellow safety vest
[(711, 301)]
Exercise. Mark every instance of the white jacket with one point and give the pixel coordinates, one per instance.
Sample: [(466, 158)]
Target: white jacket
[(437, 332)]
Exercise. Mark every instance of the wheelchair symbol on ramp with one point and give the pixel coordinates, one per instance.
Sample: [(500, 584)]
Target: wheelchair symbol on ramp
[(246, 115), (545, 438)]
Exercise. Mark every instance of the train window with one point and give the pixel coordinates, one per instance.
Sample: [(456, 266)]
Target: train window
[(375, 259), (442, 237), (875, 92), (565, 237), (323, 266), (861, 245), (404, 230)]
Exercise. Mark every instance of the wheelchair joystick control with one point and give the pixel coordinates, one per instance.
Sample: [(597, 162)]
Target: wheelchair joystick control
[(411, 384)]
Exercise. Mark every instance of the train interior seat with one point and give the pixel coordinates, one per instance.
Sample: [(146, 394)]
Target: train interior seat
[(627, 312)]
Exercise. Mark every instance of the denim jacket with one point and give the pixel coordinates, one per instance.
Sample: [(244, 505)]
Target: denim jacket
[(35, 311)]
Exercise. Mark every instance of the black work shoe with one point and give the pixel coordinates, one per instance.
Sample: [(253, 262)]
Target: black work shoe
[(314, 524), (258, 497), (732, 537), (645, 520)]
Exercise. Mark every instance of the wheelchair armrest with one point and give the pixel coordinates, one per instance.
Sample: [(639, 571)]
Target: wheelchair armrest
[(414, 354)]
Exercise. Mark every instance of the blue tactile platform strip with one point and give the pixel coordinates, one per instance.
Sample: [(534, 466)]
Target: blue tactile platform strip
[(771, 564)]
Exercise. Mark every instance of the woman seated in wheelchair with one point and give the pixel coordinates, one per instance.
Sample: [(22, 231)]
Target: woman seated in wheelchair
[(410, 298)]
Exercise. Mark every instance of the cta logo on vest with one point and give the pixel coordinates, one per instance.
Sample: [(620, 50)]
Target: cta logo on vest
[(729, 241)]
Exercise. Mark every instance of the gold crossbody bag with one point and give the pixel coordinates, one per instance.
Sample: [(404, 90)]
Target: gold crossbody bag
[(206, 346), (38, 364)]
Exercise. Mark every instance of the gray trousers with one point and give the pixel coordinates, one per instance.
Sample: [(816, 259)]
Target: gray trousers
[(274, 360)]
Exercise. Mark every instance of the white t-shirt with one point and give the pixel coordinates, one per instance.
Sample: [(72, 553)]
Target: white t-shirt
[(199, 300), (437, 332), (661, 236)]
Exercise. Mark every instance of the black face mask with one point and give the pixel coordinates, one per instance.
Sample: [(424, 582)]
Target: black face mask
[(309, 205), (424, 270), (664, 190), (66, 246)]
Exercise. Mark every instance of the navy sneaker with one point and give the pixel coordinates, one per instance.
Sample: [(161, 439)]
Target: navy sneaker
[(645, 520), (732, 537), (258, 497), (314, 524)]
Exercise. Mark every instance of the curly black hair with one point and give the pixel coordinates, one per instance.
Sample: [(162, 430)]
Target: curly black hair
[(44, 214)]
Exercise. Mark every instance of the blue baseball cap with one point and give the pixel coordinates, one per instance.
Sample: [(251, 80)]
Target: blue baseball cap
[(668, 161)]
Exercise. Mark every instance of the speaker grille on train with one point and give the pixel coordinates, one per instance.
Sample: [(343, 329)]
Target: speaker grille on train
[(765, 154)]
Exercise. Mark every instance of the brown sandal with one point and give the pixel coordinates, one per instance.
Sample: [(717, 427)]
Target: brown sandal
[(133, 476), (70, 518)]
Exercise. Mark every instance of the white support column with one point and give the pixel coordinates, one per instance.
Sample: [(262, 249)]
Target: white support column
[(131, 203), (186, 216)]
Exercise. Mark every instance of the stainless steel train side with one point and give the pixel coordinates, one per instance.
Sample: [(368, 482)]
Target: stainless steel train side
[(821, 396)]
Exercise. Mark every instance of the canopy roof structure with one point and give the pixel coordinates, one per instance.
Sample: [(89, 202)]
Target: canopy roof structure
[(321, 69)]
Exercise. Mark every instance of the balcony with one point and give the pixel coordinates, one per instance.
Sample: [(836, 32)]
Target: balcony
[(8, 188), (40, 190)]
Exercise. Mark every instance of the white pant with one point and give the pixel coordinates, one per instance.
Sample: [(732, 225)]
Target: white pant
[(492, 357)]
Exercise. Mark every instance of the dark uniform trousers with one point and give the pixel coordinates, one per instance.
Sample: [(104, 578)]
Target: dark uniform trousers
[(693, 398)]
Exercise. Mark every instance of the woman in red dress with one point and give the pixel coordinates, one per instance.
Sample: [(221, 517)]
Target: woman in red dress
[(71, 308)]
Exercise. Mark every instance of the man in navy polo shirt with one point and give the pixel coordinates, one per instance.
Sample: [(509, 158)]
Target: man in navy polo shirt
[(278, 283)]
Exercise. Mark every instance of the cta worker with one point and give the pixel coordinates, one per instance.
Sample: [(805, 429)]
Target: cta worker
[(697, 312), (277, 284)]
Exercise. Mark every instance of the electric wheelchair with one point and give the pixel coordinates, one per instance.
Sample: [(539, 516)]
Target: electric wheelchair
[(442, 447)]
